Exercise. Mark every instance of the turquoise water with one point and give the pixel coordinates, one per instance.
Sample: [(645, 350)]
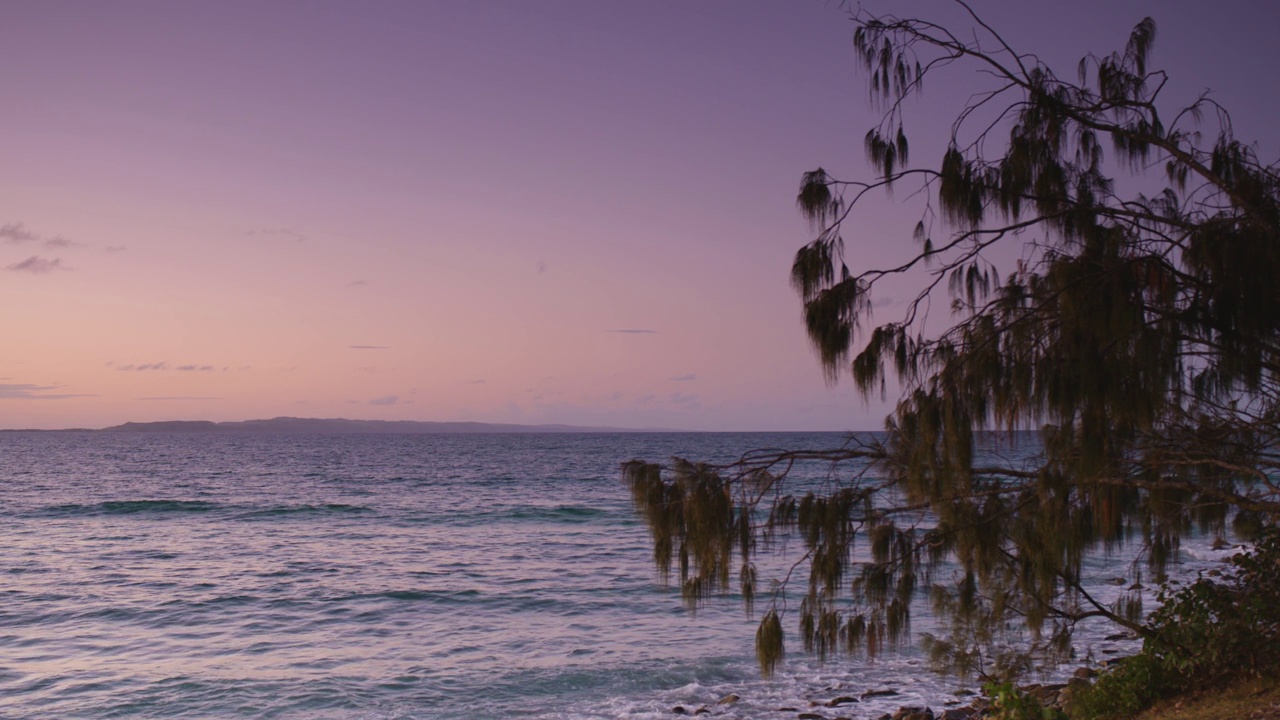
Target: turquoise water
[(427, 576)]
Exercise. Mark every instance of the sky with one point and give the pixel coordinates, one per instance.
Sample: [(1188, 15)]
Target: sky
[(535, 212)]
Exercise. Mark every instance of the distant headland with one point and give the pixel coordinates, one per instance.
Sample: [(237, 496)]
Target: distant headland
[(293, 425)]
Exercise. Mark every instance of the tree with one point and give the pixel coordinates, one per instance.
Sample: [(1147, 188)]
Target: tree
[(1138, 333)]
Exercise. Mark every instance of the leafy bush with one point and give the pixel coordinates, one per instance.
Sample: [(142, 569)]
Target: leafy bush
[(1208, 633), (1225, 629), (1121, 693)]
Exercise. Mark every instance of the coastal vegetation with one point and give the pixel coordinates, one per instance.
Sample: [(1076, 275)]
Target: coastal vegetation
[(1109, 260)]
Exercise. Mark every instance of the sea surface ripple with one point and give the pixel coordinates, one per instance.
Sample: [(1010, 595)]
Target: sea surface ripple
[(371, 576)]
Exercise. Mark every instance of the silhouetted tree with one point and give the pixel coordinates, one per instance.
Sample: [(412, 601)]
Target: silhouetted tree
[(1139, 333)]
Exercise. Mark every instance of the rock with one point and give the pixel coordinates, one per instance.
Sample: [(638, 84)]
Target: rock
[(787, 709), (812, 716), (842, 700), (704, 710), (885, 716), (887, 692), (1116, 581), (679, 710), (913, 713), (1064, 698), (958, 714), (964, 693), (1084, 673), (728, 699)]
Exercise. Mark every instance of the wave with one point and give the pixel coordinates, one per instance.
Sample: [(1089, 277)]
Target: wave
[(291, 510), (130, 507), (167, 507), (562, 513)]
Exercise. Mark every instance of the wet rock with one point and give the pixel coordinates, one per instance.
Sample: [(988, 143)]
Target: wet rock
[(728, 699), (1049, 695), (787, 709), (679, 710), (812, 716), (964, 693), (842, 700), (963, 713), (887, 692), (1084, 673), (1064, 697), (704, 710), (885, 716), (1120, 636), (913, 713)]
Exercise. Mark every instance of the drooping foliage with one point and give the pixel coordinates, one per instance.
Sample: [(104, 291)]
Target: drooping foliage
[(1137, 331)]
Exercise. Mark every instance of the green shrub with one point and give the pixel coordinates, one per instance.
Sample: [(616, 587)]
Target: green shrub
[(1216, 630), (1122, 692), (1211, 632)]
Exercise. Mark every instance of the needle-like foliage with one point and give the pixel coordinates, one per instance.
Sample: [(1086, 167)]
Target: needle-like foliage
[(1137, 332)]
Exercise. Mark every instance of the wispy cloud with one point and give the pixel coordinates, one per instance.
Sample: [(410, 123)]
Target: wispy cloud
[(368, 347), (164, 365), (115, 248), (357, 283), (37, 266), (143, 367), (180, 397), (385, 400), (16, 234), (689, 377), (26, 391), (630, 331), (474, 382)]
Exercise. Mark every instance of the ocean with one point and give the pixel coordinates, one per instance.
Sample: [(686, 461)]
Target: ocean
[(381, 577)]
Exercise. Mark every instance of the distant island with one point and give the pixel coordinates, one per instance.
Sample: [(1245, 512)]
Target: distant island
[(293, 425)]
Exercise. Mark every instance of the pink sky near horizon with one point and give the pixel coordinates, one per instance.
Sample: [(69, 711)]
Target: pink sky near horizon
[(563, 212)]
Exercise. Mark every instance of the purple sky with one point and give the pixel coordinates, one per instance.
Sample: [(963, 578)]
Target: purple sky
[(577, 212)]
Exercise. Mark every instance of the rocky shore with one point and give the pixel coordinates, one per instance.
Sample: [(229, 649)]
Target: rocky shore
[(964, 705)]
